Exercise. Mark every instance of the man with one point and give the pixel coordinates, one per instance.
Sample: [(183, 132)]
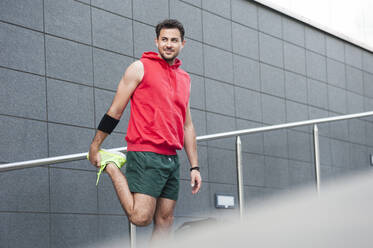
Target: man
[(160, 123)]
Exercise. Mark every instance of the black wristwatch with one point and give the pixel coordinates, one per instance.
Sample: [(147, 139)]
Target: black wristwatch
[(195, 168)]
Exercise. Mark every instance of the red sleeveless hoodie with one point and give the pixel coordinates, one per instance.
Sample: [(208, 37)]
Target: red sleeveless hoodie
[(158, 107)]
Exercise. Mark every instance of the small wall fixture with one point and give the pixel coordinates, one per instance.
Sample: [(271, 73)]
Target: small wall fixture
[(371, 159), (224, 201)]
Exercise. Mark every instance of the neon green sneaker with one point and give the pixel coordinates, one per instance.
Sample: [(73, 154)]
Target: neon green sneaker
[(107, 157)]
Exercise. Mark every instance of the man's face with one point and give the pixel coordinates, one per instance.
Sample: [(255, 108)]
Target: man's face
[(169, 43)]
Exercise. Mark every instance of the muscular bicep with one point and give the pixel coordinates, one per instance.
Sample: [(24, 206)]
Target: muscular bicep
[(127, 85)]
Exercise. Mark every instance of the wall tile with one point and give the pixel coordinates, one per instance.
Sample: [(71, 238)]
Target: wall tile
[(81, 188), (299, 146), (217, 31), (150, 12), (359, 157), (295, 58), (248, 104), (368, 61), (340, 153), (368, 84), (73, 230), (21, 49), (245, 41), (315, 40), (271, 50), (68, 19), (354, 80), (21, 235), (253, 169), (293, 31), (295, 87), (355, 103), (356, 131), (276, 172), (192, 57), (197, 3), (353, 55), (275, 143), (222, 8), (24, 13), (29, 139), (270, 22), (336, 73), (245, 13), (273, 109), (197, 95), (69, 60), (317, 94), (144, 36), (218, 64), (214, 101), (112, 32), (316, 66), (246, 73), (22, 94), (70, 103), (113, 228), (273, 80), (337, 100), (30, 193), (121, 7), (335, 48)]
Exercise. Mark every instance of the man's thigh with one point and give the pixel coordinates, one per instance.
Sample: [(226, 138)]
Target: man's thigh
[(164, 208), (144, 204)]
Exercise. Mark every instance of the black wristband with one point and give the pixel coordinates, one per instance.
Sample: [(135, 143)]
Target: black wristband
[(107, 124), (195, 168)]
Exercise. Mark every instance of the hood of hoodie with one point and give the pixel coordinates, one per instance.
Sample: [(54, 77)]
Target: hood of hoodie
[(154, 56)]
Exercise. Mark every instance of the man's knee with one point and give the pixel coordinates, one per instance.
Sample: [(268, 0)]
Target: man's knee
[(141, 219), (164, 220)]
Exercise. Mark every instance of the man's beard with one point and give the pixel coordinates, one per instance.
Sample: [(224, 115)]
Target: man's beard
[(168, 59)]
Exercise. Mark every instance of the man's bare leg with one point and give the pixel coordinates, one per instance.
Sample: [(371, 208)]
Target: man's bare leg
[(139, 207), (163, 219)]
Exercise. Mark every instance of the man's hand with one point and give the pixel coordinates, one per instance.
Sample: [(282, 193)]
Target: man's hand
[(94, 156), (196, 181)]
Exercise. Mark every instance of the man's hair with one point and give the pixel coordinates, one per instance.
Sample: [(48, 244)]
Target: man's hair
[(170, 23)]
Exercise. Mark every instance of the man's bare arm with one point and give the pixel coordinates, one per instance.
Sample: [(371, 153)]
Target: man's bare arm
[(127, 85), (190, 146)]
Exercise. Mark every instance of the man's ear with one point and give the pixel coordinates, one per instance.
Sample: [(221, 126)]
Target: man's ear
[(156, 42), (183, 43)]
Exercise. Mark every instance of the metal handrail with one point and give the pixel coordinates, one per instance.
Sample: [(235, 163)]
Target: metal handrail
[(80, 156)]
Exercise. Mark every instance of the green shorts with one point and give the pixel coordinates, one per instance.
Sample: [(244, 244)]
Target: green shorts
[(153, 174)]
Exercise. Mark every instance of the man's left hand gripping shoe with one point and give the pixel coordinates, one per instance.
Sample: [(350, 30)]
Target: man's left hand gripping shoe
[(107, 157)]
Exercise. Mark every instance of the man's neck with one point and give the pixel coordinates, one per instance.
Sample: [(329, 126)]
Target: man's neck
[(169, 62)]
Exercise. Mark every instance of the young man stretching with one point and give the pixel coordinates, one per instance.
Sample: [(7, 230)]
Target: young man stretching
[(160, 123)]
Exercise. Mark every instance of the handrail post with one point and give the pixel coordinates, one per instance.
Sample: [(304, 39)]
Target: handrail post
[(241, 201), (316, 146), (132, 231)]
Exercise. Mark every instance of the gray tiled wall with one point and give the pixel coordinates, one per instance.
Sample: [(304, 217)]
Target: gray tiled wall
[(60, 62)]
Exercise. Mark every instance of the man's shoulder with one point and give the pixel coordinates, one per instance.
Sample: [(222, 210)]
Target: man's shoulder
[(181, 71)]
